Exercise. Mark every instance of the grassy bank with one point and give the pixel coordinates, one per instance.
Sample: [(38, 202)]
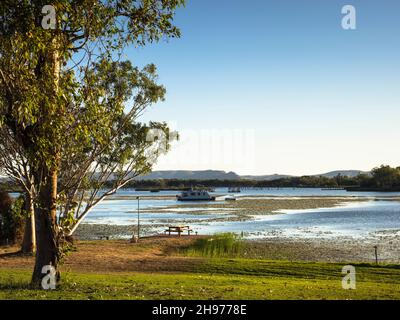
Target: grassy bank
[(220, 267), (216, 279), (192, 268)]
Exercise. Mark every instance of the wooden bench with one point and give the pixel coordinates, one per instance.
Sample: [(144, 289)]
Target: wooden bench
[(179, 230)]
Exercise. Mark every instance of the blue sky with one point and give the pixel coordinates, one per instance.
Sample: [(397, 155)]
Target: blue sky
[(260, 87)]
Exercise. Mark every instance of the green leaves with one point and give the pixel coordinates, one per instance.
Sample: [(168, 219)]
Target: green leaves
[(70, 103)]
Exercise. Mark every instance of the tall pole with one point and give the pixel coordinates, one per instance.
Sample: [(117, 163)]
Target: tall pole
[(138, 217)]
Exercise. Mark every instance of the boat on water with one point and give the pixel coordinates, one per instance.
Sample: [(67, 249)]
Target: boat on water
[(195, 195), (230, 198), (234, 190)]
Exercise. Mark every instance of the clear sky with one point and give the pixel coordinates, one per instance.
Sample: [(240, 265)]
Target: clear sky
[(278, 86)]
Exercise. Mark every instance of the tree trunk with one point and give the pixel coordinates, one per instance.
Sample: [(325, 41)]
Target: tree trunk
[(47, 252), (29, 241)]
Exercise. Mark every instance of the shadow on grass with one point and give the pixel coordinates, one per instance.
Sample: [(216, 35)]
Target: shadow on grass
[(11, 284), (376, 266), (14, 254), (22, 281)]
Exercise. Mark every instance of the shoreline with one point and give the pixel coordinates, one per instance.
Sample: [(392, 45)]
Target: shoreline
[(318, 249), (341, 249), (305, 247), (158, 248)]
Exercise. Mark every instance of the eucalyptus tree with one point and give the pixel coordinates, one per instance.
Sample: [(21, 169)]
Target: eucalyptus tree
[(119, 148), (50, 57)]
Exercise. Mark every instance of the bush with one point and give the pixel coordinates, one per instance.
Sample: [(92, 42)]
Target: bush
[(12, 219), (219, 245)]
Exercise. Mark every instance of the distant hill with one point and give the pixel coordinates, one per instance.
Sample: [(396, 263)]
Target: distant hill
[(331, 174), (348, 173), (270, 177), (187, 174), (223, 175), (4, 179)]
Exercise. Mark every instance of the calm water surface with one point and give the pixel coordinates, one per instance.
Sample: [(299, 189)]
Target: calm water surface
[(356, 219)]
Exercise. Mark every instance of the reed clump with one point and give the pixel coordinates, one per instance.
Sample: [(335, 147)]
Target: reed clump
[(217, 246)]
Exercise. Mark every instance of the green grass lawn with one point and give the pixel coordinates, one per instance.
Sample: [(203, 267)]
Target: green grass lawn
[(218, 278)]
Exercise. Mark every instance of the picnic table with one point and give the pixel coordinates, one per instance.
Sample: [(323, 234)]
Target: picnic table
[(179, 230)]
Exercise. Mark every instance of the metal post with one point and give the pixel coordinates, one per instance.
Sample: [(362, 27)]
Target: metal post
[(138, 218)]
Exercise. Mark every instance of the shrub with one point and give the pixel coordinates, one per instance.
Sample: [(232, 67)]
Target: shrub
[(12, 219), (219, 245)]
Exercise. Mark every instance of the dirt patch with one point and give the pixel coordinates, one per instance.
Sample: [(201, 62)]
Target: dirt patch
[(161, 253), (153, 254)]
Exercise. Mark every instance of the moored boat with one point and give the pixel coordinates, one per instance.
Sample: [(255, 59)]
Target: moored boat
[(230, 198), (195, 195)]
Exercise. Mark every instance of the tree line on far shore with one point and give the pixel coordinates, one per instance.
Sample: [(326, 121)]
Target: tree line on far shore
[(383, 178)]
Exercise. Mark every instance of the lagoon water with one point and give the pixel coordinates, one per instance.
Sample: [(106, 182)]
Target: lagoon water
[(355, 219), (278, 192)]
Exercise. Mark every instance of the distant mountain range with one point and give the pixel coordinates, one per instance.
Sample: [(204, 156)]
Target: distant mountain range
[(349, 173), (222, 175), (269, 177), (187, 174)]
